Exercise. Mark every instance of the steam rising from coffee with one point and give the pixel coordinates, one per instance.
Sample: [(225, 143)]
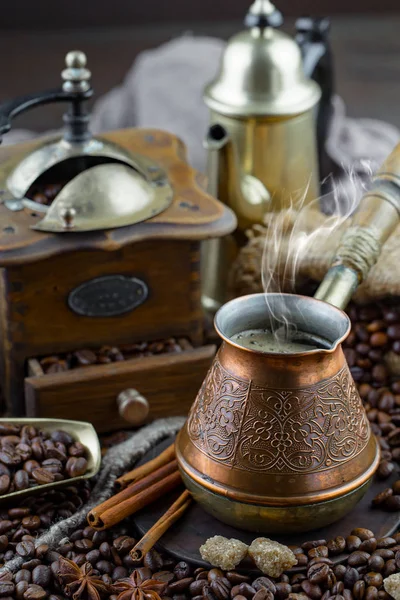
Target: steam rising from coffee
[(290, 239)]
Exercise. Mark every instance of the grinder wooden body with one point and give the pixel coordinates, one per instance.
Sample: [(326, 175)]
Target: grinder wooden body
[(43, 274)]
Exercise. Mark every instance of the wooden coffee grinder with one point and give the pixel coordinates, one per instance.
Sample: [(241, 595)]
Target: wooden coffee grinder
[(112, 258)]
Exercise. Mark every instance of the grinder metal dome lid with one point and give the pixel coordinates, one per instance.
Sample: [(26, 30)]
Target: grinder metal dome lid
[(106, 186), (261, 72)]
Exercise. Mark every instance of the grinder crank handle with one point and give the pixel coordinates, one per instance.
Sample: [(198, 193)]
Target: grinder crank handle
[(75, 89), (375, 220), (313, 38)]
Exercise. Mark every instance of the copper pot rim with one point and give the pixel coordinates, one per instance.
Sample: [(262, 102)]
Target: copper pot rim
[(318, 351), (246, 498)]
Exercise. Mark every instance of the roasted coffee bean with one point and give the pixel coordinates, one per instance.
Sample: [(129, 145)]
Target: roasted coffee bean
[(54, 465), (319, 551), (369, 545), (20, 589), (77, 449), (362, 533), (351, 575), (282, 590), (319, 559), (376, 563), (6, 588), (221, 588), (359, 589), (35, 592), (21, 480), (153, 560), (9, 457), (263, 594), (353, 542), (247, 590), (236, 578), (312, 590), (385, 469), (374, 579), (196, 587), (76, 466), (382, 496), (392, 503), (358, 558), (25, 549), (336, 546), (214, 574), (371, 593), (339, 571), (318, 573), (179, 586), (42, 476), (338, 588), (62, 436), (4, 484), (390, 568), (103, 566), (123, 544), (302, 560), (41, 575), (31, 522), (264, 582), (183, 570)]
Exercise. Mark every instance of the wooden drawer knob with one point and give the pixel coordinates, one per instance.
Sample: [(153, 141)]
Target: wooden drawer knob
[(133, 407)]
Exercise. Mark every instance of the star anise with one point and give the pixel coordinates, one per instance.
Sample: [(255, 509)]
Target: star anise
[(79, 582), (137, 587)]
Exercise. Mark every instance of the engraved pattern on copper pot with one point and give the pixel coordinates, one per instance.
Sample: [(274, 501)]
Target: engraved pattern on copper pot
[(278, 431)]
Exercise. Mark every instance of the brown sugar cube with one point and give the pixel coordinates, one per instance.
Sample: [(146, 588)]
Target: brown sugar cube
[(392, 585), (223, 553), (271, 557)]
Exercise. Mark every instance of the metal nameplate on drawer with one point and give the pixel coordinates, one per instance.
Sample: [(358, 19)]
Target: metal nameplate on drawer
[(108, 296)]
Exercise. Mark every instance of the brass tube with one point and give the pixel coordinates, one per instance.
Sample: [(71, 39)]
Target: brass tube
[(375, 220)]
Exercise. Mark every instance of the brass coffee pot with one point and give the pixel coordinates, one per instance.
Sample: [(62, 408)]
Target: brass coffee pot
[(276, 442), (262, 140)]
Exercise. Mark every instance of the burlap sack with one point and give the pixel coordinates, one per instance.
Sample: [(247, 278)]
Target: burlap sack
[(304, 250)]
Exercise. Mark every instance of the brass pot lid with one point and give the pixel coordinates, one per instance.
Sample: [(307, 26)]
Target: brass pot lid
[(106, 196), (261, 72)]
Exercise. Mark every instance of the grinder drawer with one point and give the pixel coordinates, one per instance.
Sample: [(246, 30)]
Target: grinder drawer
[(141, 388)]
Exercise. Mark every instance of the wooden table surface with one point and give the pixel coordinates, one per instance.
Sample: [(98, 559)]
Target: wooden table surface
[(366, 48)]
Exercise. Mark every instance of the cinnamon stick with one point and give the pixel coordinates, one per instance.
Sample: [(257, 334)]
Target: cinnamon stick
[(136, 474), (128, 507), (94, 515), (157, 531)]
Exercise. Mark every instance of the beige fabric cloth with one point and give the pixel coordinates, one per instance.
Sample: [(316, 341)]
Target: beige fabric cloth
[(305, 249)]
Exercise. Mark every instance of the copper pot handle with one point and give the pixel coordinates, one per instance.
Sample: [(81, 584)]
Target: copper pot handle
[(133, 407)]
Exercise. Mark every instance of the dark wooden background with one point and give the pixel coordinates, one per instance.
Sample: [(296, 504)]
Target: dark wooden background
[(35, 36), (19, 14)]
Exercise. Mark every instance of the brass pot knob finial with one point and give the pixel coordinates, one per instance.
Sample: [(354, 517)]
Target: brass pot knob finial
[(133, 407), (76, 76), (262, 13)]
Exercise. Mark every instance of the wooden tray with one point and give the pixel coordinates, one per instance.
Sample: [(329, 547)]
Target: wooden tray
[(183, 539)]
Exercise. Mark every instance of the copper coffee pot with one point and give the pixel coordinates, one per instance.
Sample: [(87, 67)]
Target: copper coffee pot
[(280, 442)]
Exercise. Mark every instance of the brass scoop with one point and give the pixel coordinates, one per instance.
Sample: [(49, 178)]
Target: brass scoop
[(81, 432), (280, 443)]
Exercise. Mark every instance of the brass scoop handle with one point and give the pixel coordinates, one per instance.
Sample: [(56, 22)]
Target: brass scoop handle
[(375, 220)]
